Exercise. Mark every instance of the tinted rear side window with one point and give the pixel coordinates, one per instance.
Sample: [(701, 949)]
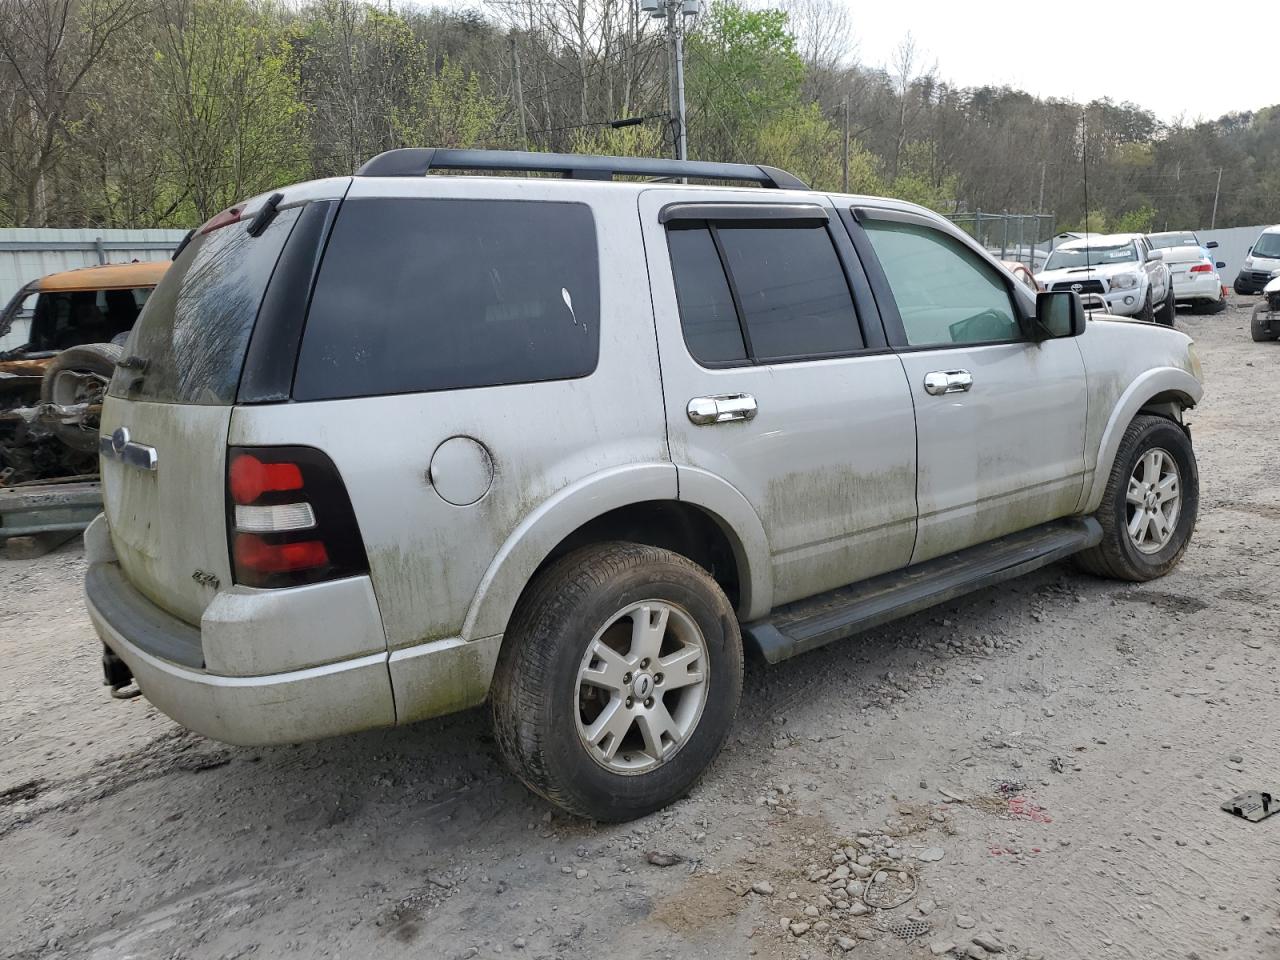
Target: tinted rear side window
[(434, 294), (707, 314), (195, 327), (795, 299)]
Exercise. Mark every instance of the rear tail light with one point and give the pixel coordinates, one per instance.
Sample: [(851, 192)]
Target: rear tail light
[(1202, 268), (289, 518)]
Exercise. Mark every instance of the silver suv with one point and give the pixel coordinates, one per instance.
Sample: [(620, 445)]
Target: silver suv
[(388, 446)]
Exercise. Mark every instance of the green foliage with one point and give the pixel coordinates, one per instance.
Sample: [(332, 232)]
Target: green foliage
[(188, 106), (234, 121), (644, 140), (446, 109), (743, 75), (1140, 220)]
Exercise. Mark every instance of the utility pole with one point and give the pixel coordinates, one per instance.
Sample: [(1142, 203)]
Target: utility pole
[(675, 28), (844, 168), (1216, 190), (1040, 203), (675, 12), (519, 90)]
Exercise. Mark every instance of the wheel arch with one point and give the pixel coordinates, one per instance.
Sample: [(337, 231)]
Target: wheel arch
[(1163, 392), (641, 503)]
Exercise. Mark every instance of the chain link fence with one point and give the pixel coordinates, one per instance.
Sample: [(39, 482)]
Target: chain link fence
[(1024, 237)]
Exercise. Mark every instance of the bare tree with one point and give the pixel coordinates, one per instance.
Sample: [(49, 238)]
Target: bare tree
[(49, 48)]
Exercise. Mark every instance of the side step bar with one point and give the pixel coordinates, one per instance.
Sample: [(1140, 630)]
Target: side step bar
[(807, 624)]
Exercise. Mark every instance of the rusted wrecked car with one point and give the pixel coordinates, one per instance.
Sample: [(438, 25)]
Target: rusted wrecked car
[(60, 338)]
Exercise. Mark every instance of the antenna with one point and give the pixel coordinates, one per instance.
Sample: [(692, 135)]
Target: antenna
[(1084, 159)]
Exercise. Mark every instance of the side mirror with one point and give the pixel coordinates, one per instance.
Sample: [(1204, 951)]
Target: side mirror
[(1221, 264), (1155, 254), (1211, 245), (1059, 314)]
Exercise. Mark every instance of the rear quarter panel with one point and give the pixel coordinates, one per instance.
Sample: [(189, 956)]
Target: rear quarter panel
[(429, 559)]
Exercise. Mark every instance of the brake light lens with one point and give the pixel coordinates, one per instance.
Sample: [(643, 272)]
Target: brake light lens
[(249, 478), (1202, 268), (253, 552), (289, 519)]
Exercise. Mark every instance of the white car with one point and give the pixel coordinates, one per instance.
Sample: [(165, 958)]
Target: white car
[(1119, 273), (1195, 278), (1261, 263), (1179, 238)]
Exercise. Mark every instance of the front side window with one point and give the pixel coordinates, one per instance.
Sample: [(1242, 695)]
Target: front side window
[(792, 299), (945, 292)]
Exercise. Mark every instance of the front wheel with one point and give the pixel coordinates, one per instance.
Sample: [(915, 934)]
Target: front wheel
[(1261, 327), (1147, 313), (1150, 505), (618, 680), (1169, 309)]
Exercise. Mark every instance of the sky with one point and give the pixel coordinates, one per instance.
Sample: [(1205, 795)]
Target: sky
[(1174, 57)]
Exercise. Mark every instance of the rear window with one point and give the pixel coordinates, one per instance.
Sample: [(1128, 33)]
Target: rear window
[(417, 295), (194, 330)]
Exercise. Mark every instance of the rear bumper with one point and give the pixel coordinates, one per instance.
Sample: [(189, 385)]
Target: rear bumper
[(279, 666), (263, 667), (279, 708), (1203, 287)]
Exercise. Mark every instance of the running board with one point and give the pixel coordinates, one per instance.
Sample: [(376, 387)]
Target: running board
[(806, 624)]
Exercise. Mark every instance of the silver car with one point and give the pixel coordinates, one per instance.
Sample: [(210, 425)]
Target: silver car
[(388, 446)]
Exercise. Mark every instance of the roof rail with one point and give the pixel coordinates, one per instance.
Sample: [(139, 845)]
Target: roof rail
[(417, 161)]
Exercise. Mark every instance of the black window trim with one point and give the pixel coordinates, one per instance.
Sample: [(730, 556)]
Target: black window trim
[(853, 218), (271, 358), (867, 318), (764, 212)]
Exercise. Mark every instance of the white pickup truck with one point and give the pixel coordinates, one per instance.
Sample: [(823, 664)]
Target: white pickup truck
[(1121, 274)]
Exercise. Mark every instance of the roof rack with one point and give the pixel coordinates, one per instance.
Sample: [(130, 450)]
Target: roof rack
[(417, 161)]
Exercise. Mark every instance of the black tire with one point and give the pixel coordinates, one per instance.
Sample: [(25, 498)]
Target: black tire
[(1216, 306), (1240, 291), (1147, 313), (1117, 557), (1260, 325), (535, 687), (96, 359), (1169, 309)]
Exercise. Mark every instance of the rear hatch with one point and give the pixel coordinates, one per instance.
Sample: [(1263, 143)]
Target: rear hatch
[(1181, 261), (169, 406)]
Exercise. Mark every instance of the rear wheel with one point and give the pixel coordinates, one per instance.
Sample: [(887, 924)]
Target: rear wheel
[(1261, 327), (618, 681), (1149, 509)]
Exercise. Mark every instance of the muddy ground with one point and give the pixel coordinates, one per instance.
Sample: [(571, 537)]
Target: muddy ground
[(1042, 763)]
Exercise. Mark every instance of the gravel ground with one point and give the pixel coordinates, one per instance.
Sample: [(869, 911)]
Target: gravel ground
[(1038, 768)]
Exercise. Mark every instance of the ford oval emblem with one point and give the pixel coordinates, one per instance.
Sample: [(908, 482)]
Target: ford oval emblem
[(120, 439)]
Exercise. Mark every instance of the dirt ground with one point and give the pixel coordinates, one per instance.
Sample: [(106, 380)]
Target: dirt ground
[(1040, 765)]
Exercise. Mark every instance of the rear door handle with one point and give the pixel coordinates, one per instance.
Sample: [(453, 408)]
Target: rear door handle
[(947, 381), (722, 409)]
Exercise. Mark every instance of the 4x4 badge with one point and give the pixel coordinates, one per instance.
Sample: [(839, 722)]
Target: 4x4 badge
[(205, 579)]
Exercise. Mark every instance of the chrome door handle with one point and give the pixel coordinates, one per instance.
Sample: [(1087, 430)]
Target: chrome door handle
[(722, 409), (947, 381)]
